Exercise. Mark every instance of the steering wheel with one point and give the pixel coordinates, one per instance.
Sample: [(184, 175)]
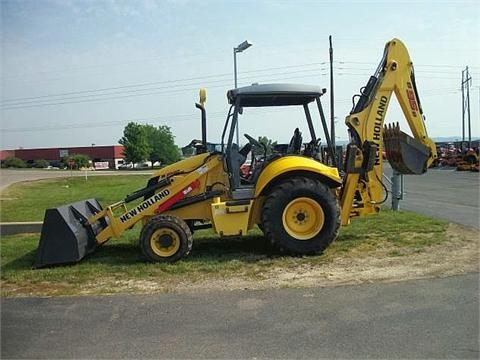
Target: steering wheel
[(253, 141), (258, 144)]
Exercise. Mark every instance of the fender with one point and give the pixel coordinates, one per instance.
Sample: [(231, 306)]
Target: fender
[(294, 163)]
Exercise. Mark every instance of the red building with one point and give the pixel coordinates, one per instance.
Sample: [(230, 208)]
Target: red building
[(6, 153), (112, 154)]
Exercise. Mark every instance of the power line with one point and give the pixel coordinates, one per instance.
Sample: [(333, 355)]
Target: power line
[(168, 118), (169, 90), (25, 100), (416, 65), (133, 90), (39, 101), (111, 88), (184, 117), (146, 92), (160, 82), (217, 52)]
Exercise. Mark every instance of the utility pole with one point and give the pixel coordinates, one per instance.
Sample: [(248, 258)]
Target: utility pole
[(332, 103), (466, 83), (334, 159)]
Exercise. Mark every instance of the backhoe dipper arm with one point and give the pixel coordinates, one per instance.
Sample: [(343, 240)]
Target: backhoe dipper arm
[(362, 192)]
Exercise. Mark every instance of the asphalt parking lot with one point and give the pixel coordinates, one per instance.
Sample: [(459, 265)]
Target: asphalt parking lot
[(443, 193), (435, 319)]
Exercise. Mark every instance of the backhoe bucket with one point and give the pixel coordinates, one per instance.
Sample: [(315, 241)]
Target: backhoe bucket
[(405, 154), (67, 236)]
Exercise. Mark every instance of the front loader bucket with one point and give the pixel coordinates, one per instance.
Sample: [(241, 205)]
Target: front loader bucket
[(66, 235), (406, 154)]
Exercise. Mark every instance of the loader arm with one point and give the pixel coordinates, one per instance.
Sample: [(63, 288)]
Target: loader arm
[(176, 190), (362, 192)]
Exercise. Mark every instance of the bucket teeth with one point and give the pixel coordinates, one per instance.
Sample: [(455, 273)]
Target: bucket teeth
[(405, 154)]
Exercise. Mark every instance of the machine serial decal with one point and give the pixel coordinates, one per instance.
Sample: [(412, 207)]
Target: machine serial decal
[(177, 197), (202, 170), (144, 205), (412, 100)]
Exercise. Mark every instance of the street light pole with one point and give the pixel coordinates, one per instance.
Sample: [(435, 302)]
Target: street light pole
[(243, 46)]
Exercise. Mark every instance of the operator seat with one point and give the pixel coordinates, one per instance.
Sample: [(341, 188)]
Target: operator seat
[(295, 145), (236, 158)]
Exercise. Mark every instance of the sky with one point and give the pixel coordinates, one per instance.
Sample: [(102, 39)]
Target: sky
[(74, 73)]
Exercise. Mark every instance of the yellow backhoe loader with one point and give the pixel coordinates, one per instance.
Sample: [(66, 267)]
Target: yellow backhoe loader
[(298, 201)]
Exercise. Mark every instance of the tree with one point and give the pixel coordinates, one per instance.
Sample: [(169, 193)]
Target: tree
[(161, 144), (267, 142), (135, 143), (77, 161)]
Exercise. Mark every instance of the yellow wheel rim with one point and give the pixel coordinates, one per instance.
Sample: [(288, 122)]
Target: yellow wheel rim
[(165, 242), (303, 218)]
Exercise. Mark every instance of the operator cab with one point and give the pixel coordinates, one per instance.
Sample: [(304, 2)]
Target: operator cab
[(268, 95)]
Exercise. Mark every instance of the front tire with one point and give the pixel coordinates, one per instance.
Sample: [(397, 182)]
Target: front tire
[(165, 238), (301, 216)]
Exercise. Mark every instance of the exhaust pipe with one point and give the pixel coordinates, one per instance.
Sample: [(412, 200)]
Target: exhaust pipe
[(67, 236)]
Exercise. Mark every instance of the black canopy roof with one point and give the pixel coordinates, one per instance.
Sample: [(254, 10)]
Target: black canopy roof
[(274, 94)]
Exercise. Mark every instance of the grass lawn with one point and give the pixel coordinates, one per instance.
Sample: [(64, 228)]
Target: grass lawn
[(397, 233), (28, 201)]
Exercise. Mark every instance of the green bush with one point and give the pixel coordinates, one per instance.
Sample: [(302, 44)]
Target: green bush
[(13, 162), (41, 164)]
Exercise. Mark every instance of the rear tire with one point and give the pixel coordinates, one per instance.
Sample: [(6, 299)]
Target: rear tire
[(165, 238), (301, 216)]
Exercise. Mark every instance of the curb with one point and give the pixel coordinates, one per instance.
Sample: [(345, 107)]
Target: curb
[(13, 228)]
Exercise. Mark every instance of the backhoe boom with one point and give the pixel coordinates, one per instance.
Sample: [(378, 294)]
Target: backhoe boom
[(362, 192)]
